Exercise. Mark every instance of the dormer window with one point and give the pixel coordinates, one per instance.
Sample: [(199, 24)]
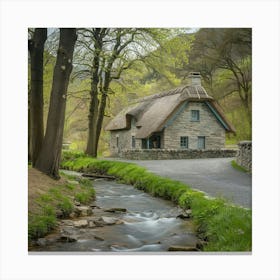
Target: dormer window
[(195, 115)]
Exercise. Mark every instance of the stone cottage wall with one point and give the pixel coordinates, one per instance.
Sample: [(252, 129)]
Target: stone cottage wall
[(155, 154), (125, 140), (244, 156), (207, 126)]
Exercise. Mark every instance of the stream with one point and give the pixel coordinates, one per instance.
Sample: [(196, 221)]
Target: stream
[(123, 219)]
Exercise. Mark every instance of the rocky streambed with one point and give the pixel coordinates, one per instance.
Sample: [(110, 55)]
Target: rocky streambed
[(122, 219)]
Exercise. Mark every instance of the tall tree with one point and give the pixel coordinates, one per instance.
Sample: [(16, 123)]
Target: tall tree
[(103, 54), (36, 130), (49, 157)]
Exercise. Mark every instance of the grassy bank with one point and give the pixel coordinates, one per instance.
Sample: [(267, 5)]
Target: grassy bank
[(238, 167), (224, 227), (49, 200)]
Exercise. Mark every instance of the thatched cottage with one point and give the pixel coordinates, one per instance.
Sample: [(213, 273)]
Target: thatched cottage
[(182, 118)]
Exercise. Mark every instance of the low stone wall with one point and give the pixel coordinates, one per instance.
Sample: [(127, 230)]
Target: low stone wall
[(154, 154), (244, 156)]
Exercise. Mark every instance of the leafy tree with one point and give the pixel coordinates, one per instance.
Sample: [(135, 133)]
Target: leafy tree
[(103, 54), (49, 157), (228, 50)]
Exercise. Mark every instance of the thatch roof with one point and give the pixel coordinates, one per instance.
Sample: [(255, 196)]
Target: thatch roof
[(152, 112)]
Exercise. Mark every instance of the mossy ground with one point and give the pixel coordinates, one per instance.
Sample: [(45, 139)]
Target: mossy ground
[(225, 227)]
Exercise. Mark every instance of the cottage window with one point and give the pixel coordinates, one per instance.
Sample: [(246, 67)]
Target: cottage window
[(195, 115), (117, 141), (184, 142), (133, 144), (201, 142)]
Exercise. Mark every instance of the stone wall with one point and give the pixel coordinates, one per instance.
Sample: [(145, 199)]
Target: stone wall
[(154, 154), (244, 156), (124, 140)]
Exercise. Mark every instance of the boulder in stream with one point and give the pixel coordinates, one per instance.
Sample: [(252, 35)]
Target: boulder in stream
[(108, 221), (113, 210), (80, 223)]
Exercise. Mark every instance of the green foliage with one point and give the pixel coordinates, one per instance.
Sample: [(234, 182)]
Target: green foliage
[(40, 225), (66, 206), (83, 197), (225, 227)]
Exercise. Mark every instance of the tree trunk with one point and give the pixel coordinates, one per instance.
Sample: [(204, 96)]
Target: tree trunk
[(36, 49), (93, 109), (49, 157), (29, 137), (92, 121), (100, 118)]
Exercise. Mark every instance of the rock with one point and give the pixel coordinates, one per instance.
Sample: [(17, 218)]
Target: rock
[(42, 242), (67, 230), (77, 203), (65, 238), (67, 222), (99, 223), (91, 224), (108, 220), (185, 214), (113, 210), (73, 215), (80, 223), (99, 238), (182, 248), (82, 211)]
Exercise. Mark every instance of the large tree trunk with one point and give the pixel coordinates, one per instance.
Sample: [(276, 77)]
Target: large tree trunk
[(36, 129), (29, 130), (49, 157)]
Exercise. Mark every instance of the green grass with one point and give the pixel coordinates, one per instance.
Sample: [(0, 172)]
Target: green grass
[(238, 167), (58, 199), (223, 226)]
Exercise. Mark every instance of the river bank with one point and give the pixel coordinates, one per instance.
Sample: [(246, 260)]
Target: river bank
[(50, 200), (123, 220), (223, 226)]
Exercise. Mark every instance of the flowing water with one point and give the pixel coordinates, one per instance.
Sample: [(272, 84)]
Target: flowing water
[(149, 224)]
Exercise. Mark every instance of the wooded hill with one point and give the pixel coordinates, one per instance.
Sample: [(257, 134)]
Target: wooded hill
[(112, 67)]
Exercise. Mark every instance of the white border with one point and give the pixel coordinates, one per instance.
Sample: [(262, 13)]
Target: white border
[(262, 16)]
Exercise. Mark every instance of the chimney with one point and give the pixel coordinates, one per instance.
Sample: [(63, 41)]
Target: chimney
[(194, 79)]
